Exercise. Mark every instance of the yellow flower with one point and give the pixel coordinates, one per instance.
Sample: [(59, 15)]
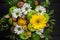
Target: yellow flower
[(38, 21), (22, 21)]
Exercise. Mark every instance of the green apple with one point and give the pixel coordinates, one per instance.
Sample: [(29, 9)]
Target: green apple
[(30, 27), (23, 36), (11, 9), (29, 15), (47, 17)]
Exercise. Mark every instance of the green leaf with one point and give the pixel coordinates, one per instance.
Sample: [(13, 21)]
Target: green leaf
[(52, 20), (10, 21), (12, 37), (35, 36), (47, 17), (32, 3), (51, 12), (12, 2), (46, 38), (46, 3)]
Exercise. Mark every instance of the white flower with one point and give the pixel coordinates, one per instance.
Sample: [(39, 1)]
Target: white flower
[(40, 9), (17, 12), (26, 8), (18, 29), (40, 31)]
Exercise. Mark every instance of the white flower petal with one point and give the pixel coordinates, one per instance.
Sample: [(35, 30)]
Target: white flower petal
[(40, 31), (18, 31), (26, 5), (14, 15), (43, 10), (15, 11)]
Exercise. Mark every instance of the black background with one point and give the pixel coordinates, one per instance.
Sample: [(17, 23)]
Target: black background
[(55, 4)]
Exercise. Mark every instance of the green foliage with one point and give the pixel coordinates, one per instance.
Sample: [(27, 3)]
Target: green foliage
[(46, 3), (13, 37), (47, 17), (46, 38), (10, 21), (32, 3), (12, 2), (51, 12), (49, 30), (35, 36), (51, 22), (3, 24)]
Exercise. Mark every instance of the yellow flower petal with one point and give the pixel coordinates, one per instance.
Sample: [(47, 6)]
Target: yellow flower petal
[(38, 21)]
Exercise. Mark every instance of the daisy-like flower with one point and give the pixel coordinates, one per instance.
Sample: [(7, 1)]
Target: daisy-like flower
[(40, 9), (17, 12), (40, 31), (18, 29), (26, 8), (38, 21)]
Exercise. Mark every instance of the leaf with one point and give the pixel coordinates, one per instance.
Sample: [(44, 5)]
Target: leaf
[(12, 37), (45, 3), (52, 20), (47, 17), (35, 36), (46, 38), (10, 21), (51, 12), (32, 3), (12, 2)]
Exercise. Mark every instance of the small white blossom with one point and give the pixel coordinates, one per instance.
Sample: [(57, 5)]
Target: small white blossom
[(40, 31), (26, 8), (18, 29), (40, 9), (16, 12)]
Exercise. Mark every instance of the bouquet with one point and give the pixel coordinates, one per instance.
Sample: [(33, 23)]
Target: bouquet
[(28, 20)]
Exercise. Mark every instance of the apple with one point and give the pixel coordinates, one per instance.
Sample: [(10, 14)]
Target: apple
[(29, 15), (11, 9)]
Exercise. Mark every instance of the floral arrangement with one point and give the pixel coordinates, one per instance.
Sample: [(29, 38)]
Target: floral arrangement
[(28, 20)]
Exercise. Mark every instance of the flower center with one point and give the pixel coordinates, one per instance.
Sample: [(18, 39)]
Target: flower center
[(17, 13), (40, 11), (38, 21), (18, 29), (26, 8)]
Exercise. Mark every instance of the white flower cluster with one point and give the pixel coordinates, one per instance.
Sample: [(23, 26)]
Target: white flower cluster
[(19, 11), (25, 9)]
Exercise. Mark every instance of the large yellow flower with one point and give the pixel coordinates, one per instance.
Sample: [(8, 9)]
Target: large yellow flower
[(38, 21)]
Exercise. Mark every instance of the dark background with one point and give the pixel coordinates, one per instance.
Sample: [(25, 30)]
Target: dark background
[(55, 4)]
